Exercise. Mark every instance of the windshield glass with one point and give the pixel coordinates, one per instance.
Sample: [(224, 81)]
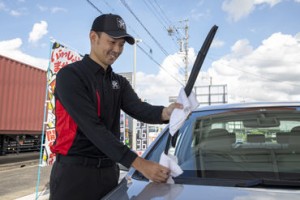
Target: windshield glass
[(255, 143)]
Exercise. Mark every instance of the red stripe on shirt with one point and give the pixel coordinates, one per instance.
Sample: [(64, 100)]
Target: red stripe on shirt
[(66, 130), (98, 103)]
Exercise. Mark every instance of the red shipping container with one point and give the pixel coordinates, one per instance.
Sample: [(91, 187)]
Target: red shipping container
[(22, 97)]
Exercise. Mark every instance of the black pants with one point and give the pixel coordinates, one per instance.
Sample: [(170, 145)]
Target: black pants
[(81, 182)]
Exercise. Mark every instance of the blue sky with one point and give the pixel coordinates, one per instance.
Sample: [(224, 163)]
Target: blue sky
[(256, 50)]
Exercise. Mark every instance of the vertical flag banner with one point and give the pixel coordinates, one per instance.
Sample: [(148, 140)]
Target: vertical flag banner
[(60, 57)]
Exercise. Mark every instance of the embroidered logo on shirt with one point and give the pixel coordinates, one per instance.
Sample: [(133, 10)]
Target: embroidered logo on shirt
[(115, 85)]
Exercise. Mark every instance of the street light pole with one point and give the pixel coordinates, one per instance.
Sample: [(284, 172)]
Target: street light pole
[(134, 62), (134, 87)]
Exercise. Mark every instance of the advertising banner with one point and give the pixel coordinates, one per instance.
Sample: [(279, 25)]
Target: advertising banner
[(60, 57)]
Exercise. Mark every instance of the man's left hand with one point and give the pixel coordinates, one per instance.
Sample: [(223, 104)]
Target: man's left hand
[(167, 111)]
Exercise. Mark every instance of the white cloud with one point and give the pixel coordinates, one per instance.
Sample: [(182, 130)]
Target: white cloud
[(42, 8), (217, 43), (15, 13), (241, 48), (195, 14), (53, 10), (12, 49), (2, 6), (157, 88), (38, 31), (297, 36), (58, 9), (267, 73), (238, 9), (10, 44), (270, 2)]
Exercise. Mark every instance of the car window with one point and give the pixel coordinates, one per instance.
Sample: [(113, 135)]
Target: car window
[(158, 147), (242, 144), (160, 144), (235, 144)]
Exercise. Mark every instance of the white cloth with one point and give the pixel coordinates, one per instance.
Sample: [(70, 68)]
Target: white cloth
[(178, 116), (170, 162)]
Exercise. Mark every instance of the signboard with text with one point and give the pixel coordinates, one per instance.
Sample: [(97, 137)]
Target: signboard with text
[(141, 137), (60, 57)]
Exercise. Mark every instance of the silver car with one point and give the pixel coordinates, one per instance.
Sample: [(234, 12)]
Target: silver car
[(233, 151)]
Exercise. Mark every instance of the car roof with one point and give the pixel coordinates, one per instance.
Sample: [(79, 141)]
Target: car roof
[(247, 105)]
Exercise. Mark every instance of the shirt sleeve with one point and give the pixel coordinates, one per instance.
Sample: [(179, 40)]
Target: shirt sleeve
[(78, 102), (138, 109)]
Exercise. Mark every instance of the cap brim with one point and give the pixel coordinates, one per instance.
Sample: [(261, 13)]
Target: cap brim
[(128, 38)]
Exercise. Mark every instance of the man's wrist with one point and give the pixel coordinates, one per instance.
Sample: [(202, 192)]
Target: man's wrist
[(164, 114), (136, 163)]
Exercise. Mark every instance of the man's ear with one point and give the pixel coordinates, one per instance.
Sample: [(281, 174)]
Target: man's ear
[(93, 36)]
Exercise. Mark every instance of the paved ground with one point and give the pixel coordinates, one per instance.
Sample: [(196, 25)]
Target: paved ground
[(18, 161), (44, 194), (18, 180)]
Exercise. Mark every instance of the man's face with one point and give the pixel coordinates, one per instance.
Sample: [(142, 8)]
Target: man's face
[(106, 49)]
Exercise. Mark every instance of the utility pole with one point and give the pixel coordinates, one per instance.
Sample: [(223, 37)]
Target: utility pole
[(183, 44), (186, 49)]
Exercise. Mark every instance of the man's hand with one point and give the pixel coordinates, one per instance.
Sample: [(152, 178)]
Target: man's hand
[(167, 111), (151, 170)]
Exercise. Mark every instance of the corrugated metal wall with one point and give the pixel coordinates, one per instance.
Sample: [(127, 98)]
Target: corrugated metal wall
[(22, 97)]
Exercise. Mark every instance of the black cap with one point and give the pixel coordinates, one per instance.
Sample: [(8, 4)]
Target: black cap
[(113, 25)]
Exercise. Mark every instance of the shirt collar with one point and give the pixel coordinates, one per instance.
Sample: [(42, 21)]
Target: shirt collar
[(95, 67)]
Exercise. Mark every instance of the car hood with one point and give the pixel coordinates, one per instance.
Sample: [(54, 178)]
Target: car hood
[(142, 190)]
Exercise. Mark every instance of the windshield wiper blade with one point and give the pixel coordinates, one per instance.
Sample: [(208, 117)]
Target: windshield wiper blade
[(269, 183)]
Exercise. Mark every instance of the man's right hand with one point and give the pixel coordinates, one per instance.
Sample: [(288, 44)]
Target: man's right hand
[(151, 170)]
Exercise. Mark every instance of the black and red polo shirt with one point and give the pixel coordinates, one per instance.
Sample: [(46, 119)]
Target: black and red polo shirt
[(88, 102)]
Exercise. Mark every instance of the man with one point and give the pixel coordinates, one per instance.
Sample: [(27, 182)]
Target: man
[(89, 96)]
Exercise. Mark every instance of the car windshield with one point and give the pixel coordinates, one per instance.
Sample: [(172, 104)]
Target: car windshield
[(240, 144)]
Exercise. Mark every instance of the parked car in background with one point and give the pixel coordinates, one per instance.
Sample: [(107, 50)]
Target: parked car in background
[(231, 151)]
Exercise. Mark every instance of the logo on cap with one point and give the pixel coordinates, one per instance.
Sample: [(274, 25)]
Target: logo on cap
[(121, 24)]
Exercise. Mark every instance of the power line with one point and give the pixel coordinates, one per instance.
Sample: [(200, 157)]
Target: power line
[(160, 66), (94, 6), (108, 5), (129, 9), (167, 20), (157, 43), (163, 13), (155, 13), (131, 29), (171, 33), (151, 58)]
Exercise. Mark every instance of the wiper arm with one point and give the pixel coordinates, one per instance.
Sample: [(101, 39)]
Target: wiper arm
[(269, 183)]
